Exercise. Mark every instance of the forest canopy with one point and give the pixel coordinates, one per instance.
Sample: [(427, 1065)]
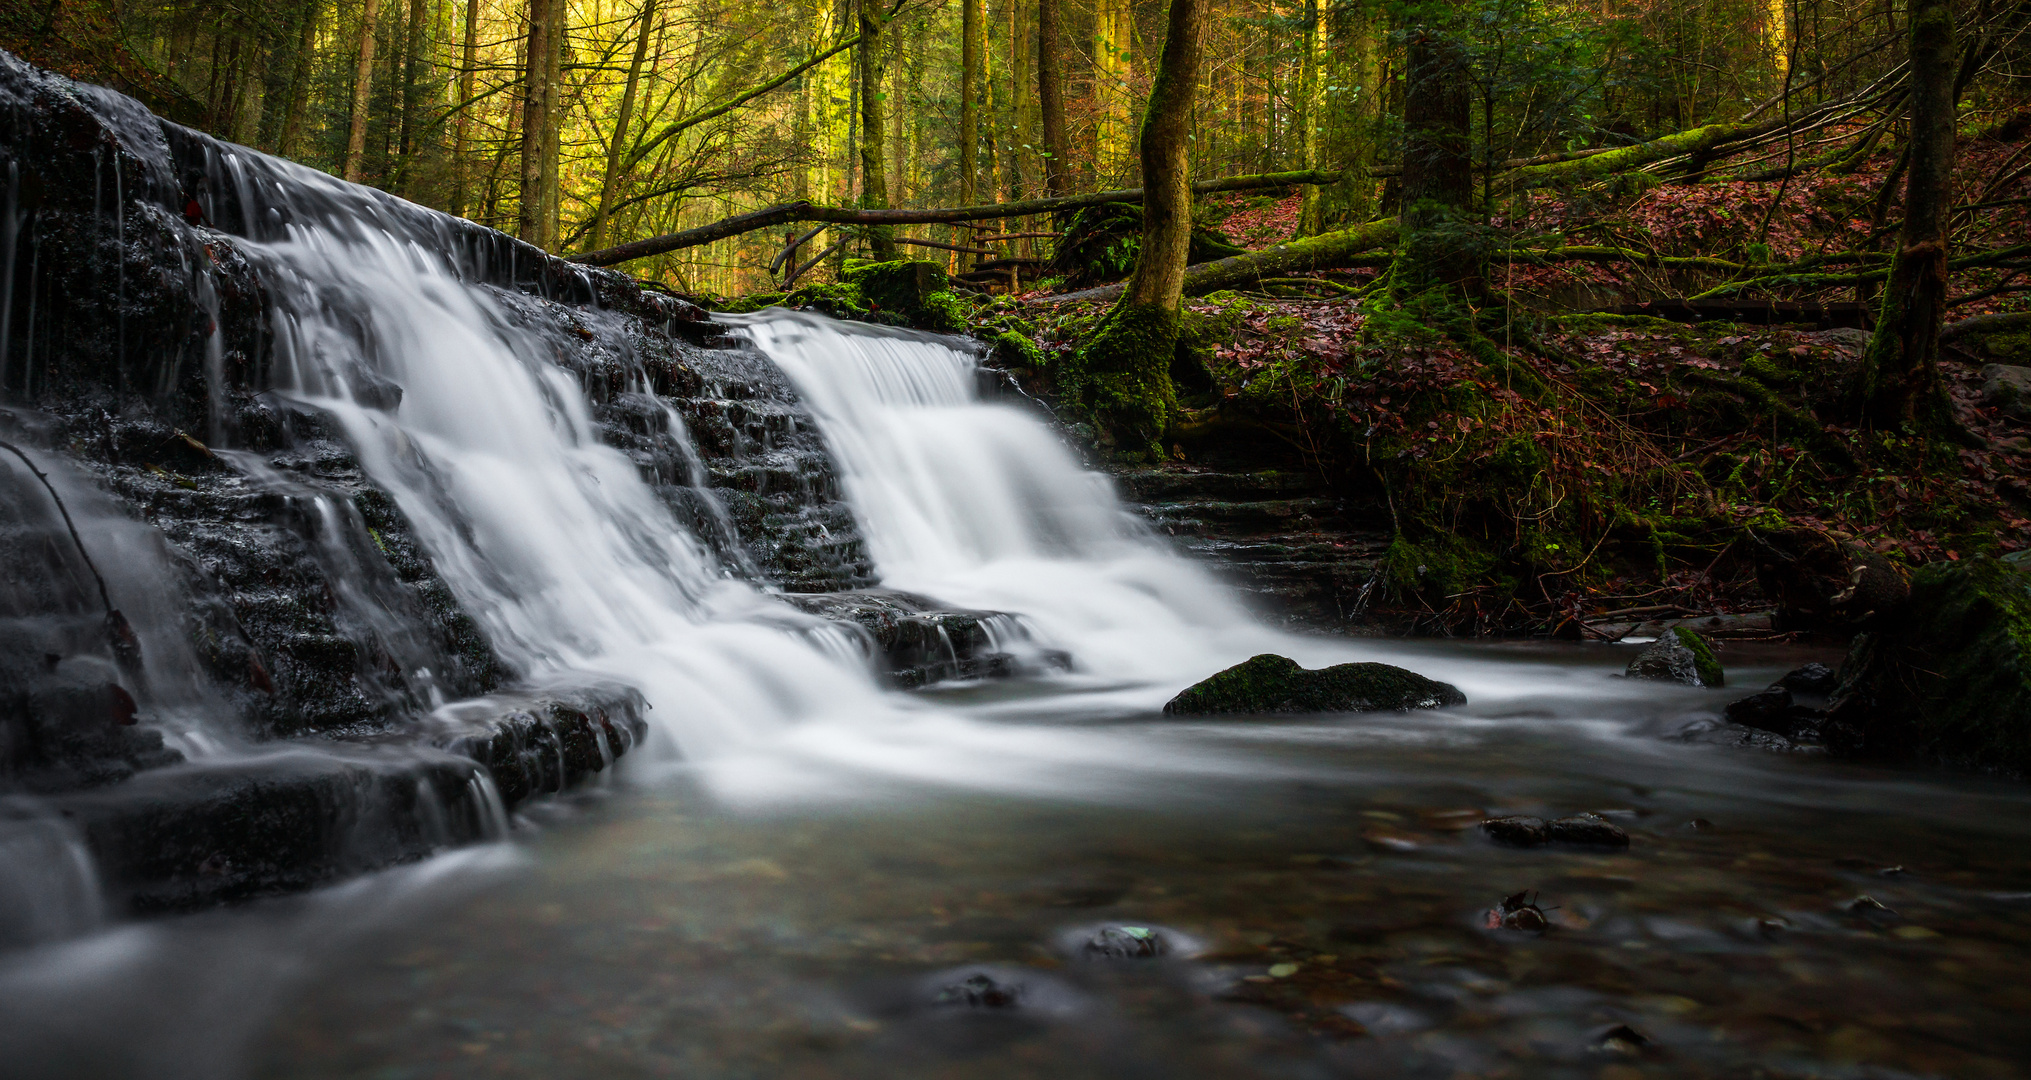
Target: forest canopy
[(645, 117)]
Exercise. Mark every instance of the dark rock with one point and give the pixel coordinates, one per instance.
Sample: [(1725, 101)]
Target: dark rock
[(1124, 943), (1517, 831), (1769, 710), (1710, 732), (982, 991), (1950, 679), (1820, 583), (1519, 912), (1814, 678), (182, 838), (2008, 388), (534, 744), (1680, 656), (1621, 1041), (1774, 711), (915, 641), (1274, 684), (1587, 830)]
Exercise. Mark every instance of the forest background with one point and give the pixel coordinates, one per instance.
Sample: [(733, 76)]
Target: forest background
[(1541, 441)]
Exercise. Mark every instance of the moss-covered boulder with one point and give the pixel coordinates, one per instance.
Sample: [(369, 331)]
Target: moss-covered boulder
[(1680, 656), (908, 291), (1950, 679), (1276, 684)]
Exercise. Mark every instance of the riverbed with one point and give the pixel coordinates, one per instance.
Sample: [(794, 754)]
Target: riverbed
[(1319, 888)]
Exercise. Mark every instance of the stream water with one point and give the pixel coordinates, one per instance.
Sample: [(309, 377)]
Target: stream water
[(805, 875)]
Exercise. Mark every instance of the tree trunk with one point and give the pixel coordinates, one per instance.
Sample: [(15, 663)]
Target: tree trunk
[(611, 178), (874, 188), (969, 99), (299, 78), (553, 127), (415, 73), (535, 118), (1123, 375), (363, 87), (1440, 248), (1899, 381), (468, 73), (1310, 115), (1051, 100), (1363, 56), (1113, 25)]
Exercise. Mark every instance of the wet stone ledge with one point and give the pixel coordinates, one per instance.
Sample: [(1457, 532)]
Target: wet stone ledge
[(915, 641)]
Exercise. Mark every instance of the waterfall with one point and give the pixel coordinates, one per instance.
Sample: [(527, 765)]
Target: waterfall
[(982, 503)]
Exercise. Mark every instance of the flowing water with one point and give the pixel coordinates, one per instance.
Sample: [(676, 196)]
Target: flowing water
[(807, 875)]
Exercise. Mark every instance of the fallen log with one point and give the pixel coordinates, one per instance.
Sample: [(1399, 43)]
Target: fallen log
[(807, 211), (1986, 324), (1320, 252)]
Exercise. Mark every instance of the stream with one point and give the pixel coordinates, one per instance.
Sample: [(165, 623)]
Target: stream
[(1316, 881)]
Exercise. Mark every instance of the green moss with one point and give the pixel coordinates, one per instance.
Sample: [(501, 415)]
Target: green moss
[(944, 311), (741, 305), (1705, 662), (1121, 376), (1012, 349), (1274, 684), (1441, 566)]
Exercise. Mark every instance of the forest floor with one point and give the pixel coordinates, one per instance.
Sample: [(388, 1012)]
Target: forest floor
[(1575, 461)]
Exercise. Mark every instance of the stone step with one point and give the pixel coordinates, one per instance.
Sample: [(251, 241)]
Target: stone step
[(915, 641), (1185, 482)]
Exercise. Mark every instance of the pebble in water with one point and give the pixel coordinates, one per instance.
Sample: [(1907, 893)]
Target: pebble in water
[(1124, 943)]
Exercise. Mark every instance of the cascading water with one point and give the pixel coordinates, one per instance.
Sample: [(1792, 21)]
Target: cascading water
[(981, 503)]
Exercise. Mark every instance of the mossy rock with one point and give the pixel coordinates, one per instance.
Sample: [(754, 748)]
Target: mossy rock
[(1275, 684), (1949, 679), (904, 289), (1102, 243), (1679, 656)]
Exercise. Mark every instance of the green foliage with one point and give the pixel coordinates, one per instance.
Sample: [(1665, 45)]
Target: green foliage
[(1102, 243)]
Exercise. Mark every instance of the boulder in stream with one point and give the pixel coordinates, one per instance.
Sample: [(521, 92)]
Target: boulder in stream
[(1276, 684), (1680, 656), (1950, 681)]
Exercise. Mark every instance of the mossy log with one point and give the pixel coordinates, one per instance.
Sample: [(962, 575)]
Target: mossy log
[(1322, 252), (808, 211)]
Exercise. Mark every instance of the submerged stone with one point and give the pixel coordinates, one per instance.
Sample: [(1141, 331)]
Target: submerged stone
[(1950, 680), (1124, 943), (1680, 656), (1587, 830), (1517, 831), (1275, 684)]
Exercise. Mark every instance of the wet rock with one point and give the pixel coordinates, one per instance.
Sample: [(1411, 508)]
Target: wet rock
[(1519, 912), (2007, 387), (1775, 711), (981, 991), (1680, 656), (1579, 830), (916, 641), (1950, 680), (541, 743), (1587, 830), (1124, 943), (1710, 732), (189, 837), (1276, 684), (1620, 1041), (1814, 678), (1517, 831)]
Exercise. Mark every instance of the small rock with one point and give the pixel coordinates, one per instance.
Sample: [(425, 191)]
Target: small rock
[(980, 991), (1810, 679), (1869, 908), (1767, 710), (1517, 831), (1124, 943), (1698, 824), (2007, 387), (1519, 912), (1275, 684), (1773, 710), (1679, 656), (1845, 337), (1620, 1040), (1588, 830)]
